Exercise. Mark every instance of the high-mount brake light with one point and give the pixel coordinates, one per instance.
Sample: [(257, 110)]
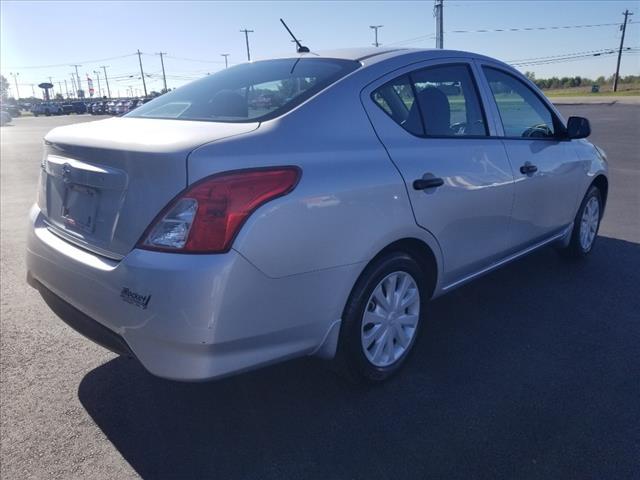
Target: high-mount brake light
[(206, 217)]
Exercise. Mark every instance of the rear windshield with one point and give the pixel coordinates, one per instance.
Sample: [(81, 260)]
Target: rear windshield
[(249, 92)]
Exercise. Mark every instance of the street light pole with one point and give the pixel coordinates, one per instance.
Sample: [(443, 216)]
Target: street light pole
[(226, 61)]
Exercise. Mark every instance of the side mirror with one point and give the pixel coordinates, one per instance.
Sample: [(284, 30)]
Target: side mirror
[(578, 127)]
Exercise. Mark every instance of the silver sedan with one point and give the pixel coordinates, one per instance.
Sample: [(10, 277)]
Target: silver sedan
[(308, 205)]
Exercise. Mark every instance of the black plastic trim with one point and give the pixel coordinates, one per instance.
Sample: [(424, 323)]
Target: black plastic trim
[(81, 323)]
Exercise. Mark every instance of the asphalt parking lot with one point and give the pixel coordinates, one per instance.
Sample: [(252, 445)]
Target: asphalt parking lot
[(531, 372)]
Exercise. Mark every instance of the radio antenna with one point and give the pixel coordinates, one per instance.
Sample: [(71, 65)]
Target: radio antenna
[(301, 48)]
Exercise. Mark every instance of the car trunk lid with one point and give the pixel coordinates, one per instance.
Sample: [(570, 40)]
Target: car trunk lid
[(103, 183)]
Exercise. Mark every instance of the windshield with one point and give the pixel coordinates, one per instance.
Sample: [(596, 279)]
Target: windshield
[(249, 92)]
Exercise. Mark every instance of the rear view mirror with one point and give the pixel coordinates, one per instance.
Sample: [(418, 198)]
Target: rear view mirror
[(578, 127)]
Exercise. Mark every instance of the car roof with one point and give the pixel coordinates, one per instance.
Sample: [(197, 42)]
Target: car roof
[(371, 55)]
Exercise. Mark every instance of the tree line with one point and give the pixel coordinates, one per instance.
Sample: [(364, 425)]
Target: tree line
[(578, 81)]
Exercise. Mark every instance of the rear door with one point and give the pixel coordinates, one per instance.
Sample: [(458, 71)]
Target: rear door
[(546, 167), (430, 119)]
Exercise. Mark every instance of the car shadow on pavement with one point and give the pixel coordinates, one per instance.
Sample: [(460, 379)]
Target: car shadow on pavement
[(531, 372)]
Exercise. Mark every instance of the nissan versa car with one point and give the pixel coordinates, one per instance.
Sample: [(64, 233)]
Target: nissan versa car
[(310, 205)]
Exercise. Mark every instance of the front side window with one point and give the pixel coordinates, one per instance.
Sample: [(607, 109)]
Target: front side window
[(249, 92), (522, 112), (437, 101)]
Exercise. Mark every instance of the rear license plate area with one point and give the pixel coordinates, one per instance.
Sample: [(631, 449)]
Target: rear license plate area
[(79, 208)]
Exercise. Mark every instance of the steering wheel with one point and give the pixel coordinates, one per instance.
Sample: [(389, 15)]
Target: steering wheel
[(538, 131)]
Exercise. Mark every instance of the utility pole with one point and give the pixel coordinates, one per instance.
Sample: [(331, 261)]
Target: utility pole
[(375, 29), (226, 60), (246, 38), (79, 85), (60, 86), (33, 91), (144, 84), (438, 13), (104, 67), (66, 88), (164, 76), (51, 82), (15, 79), (626, 13), (97, 72), (73, 85)]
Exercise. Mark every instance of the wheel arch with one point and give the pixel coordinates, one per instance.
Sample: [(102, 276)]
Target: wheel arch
[(421, 252), (602, 183)]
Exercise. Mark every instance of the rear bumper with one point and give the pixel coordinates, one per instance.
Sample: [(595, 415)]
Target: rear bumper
[(187, 317), (80, 322)]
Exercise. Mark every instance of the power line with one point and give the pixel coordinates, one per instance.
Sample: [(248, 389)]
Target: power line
[(529, 29), (586, 52), (504, 30), (65, 64), (571, 57), (194, 59)]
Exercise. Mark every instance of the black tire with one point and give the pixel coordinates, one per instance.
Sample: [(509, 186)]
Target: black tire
[(47, 113), (350, 360), (575, 249)]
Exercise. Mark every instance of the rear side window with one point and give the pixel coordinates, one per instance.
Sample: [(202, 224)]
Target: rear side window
[(440, 101), (249, 92), (397, 99), (522, 112)]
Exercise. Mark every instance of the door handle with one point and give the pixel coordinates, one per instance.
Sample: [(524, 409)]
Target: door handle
[(528, 168), (428, 181)]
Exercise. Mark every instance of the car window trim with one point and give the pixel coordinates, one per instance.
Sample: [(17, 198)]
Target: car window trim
[(559, 128)]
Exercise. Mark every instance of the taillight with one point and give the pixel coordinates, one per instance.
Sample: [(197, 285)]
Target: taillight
[(207, 216)]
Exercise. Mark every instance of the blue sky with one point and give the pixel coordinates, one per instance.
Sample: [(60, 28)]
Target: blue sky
[(194, 34)]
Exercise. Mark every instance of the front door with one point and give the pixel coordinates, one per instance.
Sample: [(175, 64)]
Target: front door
[(459, 179), (546, 166)]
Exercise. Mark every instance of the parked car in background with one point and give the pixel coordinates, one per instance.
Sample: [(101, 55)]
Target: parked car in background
[(121, 107), (111, 107), (205, 236), (12, 109), (79, 107), (47, 108), (67, 108)]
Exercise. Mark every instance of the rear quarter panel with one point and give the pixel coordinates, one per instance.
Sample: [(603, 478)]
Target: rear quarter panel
[(350, 202)]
